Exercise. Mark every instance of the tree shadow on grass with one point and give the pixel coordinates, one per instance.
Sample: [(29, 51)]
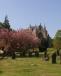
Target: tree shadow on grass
[(1, 71)]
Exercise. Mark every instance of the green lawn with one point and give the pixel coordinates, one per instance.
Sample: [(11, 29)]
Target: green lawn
[(29, 67)]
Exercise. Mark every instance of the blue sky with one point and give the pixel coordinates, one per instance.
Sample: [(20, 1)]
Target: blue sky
[(21, 13)]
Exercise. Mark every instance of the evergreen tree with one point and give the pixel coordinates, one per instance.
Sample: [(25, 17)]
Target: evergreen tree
[(1, 25), (6, 23)]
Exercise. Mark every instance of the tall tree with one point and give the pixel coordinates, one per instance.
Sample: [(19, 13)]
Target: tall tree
[(57, 40), (6, 23), (1, 25)]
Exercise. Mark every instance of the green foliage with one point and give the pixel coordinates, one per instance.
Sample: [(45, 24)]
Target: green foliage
[(57, 40), (6, 23), (1, 25), (58, 34), (49, 42)]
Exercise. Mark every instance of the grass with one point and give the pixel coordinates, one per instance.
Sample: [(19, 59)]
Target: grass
[(29, 67)]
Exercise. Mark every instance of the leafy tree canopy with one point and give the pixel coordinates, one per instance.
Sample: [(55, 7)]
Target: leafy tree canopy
[(57, 39)]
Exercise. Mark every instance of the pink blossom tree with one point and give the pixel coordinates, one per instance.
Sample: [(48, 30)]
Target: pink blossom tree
[(21, 39)]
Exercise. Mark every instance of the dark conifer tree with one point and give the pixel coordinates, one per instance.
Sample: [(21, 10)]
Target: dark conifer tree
[(6, 23)]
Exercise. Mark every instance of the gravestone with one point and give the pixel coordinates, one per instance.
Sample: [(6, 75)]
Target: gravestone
[(54, 58), (60, 55)]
